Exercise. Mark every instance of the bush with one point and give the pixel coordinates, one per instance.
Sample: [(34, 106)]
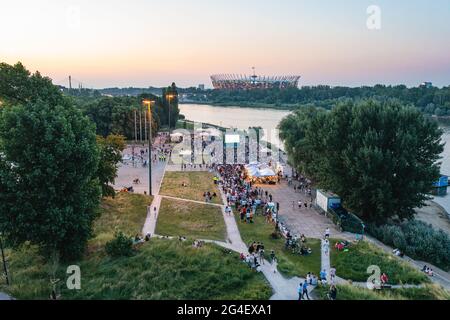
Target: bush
[(417, 240), (275, 235), (120, 246)]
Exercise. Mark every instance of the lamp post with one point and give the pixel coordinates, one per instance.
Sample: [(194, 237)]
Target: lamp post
[(148, 103), (5, 269), (169, 98)]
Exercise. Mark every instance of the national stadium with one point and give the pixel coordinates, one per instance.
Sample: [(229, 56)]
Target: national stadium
[(244, 82)]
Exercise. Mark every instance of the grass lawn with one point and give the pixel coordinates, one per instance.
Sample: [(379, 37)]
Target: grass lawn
[(126, 212), (192, 220), (353, 265), (288, 264), (197, 184), (161, 269), (348, 292)]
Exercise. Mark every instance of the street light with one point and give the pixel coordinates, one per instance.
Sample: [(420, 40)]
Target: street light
[(169, 97), (148, 103), (5, 269)]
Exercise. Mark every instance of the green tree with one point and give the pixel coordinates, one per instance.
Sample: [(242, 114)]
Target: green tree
[(110, 149), (49, 190), (381, 158), (18, 85)]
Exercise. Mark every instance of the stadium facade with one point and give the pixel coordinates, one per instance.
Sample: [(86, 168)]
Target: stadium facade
[(244, 82)]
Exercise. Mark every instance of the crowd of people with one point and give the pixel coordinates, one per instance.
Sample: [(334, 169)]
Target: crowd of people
[(244, 196)]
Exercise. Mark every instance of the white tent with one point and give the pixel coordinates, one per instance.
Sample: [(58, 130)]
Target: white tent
[(176, 135), (185, 153), (259, 170), (266, 172)]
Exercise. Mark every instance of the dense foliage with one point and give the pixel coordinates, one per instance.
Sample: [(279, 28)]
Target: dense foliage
[(429, 100), (49, 189), (381, 158), (50, 177), (417, 240), (19, 86), (127, 116), (110, 149)]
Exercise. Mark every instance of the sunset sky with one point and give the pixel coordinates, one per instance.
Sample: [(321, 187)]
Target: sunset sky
[(143, 43)]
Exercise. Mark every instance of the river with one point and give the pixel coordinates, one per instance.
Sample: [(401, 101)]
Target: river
[(268, 119), (237, 117)]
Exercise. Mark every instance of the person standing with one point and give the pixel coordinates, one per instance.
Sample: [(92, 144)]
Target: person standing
[(305, 290), (327, 233), (300, 291), (326, 246), (332, 295), (332, 274), (261, 253)]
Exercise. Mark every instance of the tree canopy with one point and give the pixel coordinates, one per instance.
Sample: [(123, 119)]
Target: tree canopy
[(429, 100), (381, 158), (49, 190)]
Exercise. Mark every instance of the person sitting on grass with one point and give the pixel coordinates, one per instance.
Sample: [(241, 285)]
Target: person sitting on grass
[(398, 253), (384, 279), (138, 239), (339, 246)]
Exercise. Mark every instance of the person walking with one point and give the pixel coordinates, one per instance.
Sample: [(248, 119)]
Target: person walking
[(332, 274), (326, 246), (305, 290), (300, 291)]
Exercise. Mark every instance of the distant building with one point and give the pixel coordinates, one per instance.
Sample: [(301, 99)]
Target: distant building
[(427, 85), (201, 87), (244, 82)]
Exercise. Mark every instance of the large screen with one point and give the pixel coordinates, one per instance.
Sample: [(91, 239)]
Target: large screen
[(232, 138)]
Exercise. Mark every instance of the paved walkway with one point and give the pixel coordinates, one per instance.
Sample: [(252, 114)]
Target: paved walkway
[(284, 289), (307, 221), (325, 259), (152, 216), (4, 296)]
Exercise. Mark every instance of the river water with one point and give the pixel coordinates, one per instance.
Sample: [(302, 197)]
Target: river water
[(268, 119)]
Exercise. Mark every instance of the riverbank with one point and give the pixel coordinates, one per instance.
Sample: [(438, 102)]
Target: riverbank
[(436, 215)]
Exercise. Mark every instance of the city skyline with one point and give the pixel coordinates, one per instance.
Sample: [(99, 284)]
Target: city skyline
[(153, 43)]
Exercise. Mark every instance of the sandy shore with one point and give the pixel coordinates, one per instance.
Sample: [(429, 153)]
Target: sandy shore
[(435, 215)]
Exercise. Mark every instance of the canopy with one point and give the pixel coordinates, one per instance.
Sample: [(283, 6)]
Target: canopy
[(176, 135), (266, 172), (259, 171)]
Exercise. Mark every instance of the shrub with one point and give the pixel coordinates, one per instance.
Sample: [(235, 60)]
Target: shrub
[(275, 235), (417, 240), (120, 246)]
